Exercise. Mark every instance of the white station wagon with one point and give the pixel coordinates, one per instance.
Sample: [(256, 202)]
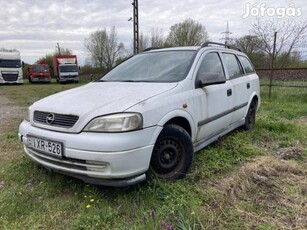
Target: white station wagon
[(149, 114)]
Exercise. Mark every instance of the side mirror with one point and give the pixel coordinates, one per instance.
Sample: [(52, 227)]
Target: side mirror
[(210, 79), (22, 64)]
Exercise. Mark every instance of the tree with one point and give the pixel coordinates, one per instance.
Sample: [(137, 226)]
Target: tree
[(157, 39), (252, 46), (290, 36), (187, 33), (143, 42), (248, 44), (104, 47)]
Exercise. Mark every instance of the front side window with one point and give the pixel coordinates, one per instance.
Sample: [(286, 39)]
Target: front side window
[(233, 66), (211, 66), (247, 65), (160, 66)]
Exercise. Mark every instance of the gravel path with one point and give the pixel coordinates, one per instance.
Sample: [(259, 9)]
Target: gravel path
[(9, 111)]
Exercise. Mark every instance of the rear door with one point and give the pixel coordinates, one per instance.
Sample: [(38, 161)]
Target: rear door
[(241, 85)]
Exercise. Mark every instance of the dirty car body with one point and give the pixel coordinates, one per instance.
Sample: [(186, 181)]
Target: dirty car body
[(150, 113)]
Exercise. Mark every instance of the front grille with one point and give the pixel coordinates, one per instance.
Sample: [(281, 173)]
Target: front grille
[(9, 77), (54, 119)]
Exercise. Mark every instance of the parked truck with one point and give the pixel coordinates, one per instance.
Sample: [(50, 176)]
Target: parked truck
[(65, 68), (10, 68), (39, 73)]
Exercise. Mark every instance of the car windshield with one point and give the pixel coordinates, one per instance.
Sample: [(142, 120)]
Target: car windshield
[(10, 63), (68, 68), (40, 68), (160, 66)]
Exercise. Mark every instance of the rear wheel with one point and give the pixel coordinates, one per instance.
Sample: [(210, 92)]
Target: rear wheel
[(250, 118), (172, 154)]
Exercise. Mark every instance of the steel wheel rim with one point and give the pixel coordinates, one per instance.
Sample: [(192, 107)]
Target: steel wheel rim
[(168, 157)]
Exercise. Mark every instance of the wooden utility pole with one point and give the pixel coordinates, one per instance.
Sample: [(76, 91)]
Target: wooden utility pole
[(272, 65), (135, 27)]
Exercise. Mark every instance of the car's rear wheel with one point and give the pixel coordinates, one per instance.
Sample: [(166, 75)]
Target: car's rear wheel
[(250, 118), (172, 154)]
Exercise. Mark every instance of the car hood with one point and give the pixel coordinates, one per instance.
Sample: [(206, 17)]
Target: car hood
[(99, 98)]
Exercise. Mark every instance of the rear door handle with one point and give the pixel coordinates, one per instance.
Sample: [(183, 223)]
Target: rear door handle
[(248, 85), (229, 92)]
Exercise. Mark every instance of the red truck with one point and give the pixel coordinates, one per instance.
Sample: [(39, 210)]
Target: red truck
[(65, 68), (39, 73)]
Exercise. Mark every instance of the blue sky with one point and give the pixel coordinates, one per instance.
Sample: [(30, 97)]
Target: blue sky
[(34, 27)]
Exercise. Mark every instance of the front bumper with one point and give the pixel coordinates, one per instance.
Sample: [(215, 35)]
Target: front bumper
[(112, 159), (69, 79), (19, 80), (40, 79)]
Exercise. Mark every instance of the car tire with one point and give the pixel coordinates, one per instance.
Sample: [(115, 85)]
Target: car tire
[(172, 154), (250, 118)]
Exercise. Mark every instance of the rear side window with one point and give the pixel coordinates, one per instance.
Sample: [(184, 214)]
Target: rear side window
[(233, 65), (247, 65)]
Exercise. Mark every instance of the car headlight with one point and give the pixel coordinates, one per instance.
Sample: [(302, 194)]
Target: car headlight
[(27, 118), (120, 122)]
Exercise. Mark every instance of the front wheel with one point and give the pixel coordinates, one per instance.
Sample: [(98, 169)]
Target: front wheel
[(250, 118), (172, 154)]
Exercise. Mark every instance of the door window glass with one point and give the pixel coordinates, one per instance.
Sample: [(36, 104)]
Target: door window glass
[(233, 66), (247, 65), (211, 66)]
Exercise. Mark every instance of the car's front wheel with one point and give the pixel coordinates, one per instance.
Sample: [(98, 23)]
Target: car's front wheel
[(172, 154)]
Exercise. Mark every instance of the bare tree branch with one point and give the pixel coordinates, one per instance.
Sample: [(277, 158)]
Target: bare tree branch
[(104, 47), (290, 36)]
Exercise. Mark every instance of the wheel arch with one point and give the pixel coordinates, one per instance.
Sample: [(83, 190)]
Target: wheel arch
[(254, 98), (181, 118)]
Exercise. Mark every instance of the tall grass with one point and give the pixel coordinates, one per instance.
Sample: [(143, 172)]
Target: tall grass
[(228, 186)]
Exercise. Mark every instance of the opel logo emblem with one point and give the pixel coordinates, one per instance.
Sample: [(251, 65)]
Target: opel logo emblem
[(50, 119)]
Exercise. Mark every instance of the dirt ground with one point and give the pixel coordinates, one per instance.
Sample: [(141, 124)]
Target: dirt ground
[(9, 111)]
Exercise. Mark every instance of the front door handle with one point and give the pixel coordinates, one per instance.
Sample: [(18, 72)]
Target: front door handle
[(248, 85), (229, 92)]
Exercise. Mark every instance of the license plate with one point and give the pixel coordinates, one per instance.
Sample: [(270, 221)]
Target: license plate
[(50, 147)]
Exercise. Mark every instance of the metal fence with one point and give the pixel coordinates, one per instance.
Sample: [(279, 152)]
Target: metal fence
[(284, 81)]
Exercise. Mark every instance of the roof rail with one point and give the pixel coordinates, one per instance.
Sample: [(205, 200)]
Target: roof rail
[(151, 48), (220, 44)]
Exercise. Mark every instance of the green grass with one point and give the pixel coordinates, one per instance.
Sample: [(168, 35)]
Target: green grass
[(237, 182), (26, 94)]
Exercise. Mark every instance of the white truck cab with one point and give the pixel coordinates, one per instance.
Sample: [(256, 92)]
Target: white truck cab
[(149, 114), (65, 68), (10, 68)]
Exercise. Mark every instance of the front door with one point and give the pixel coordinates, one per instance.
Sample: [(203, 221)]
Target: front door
[(216, 100)]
